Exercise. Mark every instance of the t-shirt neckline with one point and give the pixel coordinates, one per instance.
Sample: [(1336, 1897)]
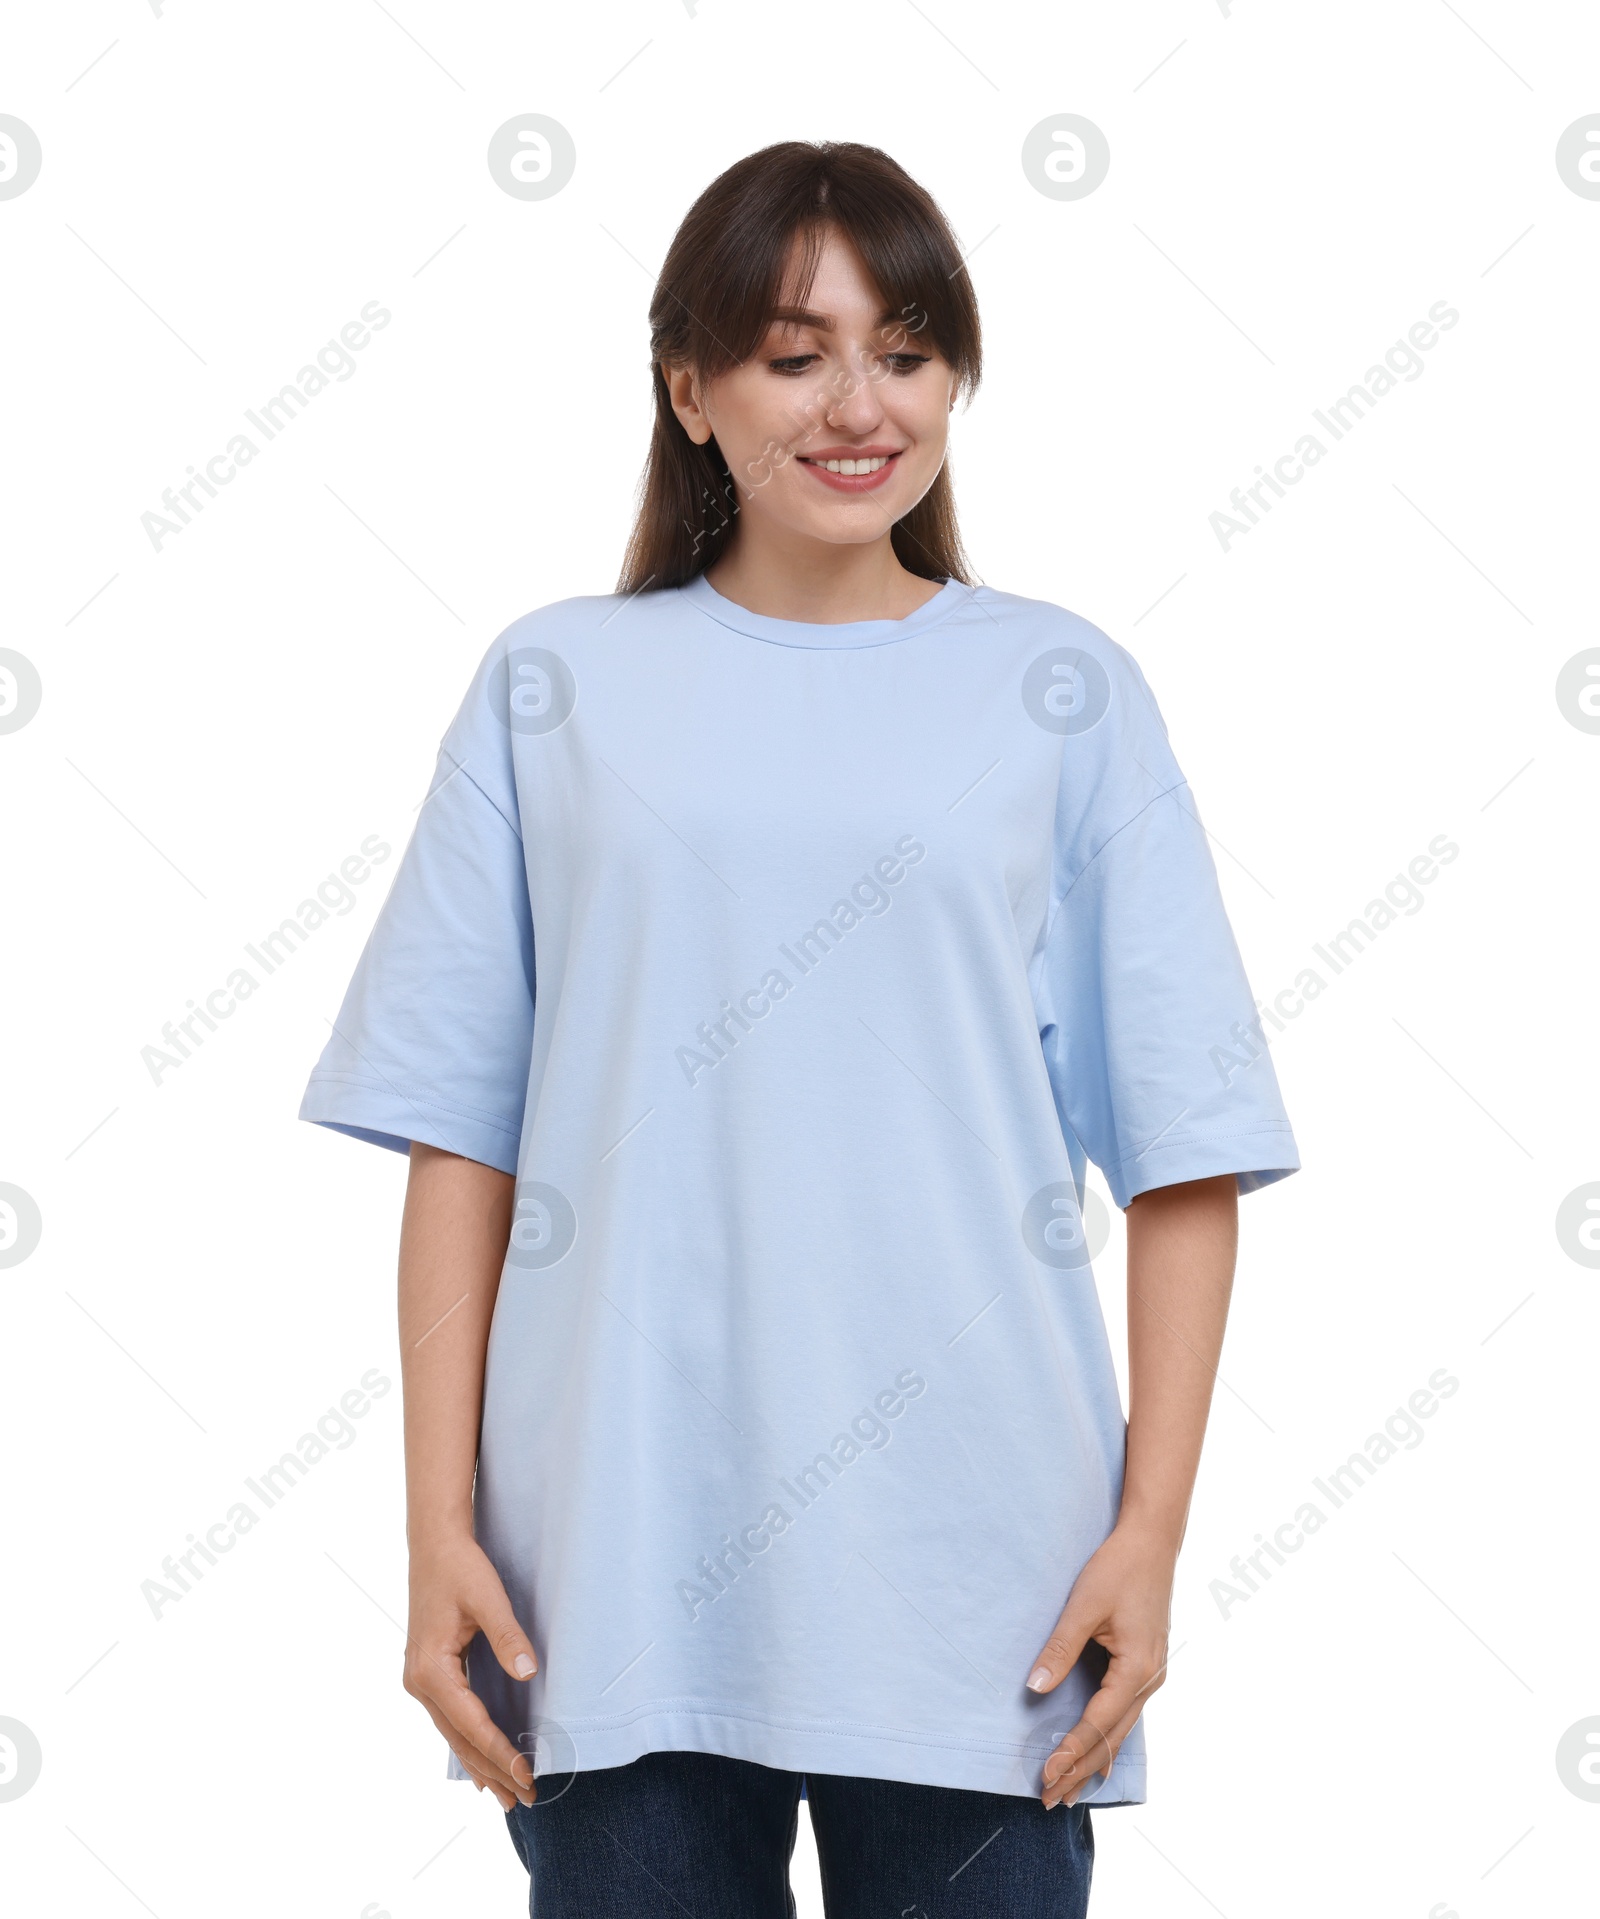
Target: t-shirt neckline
[(699, 592)]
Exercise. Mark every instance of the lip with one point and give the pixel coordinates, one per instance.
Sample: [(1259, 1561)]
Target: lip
[(852, 482)]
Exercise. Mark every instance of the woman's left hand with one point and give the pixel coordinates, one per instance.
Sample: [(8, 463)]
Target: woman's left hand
[(1123, 1600)]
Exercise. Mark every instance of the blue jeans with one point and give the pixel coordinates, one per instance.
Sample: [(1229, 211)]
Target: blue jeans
[(679, 1833)]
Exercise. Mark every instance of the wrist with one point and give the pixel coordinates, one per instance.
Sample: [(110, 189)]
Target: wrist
[(1154, 1529), (439, 1531)]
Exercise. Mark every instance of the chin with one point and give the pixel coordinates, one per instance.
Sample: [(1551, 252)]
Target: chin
[(852, 530)]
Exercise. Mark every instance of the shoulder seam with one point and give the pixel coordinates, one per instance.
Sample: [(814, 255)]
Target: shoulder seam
[(1166, 792), (477, 786)]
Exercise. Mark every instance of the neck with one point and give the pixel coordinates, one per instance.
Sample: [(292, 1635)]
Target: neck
[(821, 583)]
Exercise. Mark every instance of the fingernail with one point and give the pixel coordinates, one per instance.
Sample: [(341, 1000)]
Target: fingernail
[(1072, 1798), (1052, 1802), (515, 1774), (1038, 1679), (522, 1666)]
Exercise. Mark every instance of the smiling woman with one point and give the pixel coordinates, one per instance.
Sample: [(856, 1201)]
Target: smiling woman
[(641, 1280)]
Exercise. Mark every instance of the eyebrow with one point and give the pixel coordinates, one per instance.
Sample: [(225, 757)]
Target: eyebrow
[(803, 317)]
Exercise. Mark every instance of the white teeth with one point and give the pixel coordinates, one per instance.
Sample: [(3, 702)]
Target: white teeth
[(853, 466)]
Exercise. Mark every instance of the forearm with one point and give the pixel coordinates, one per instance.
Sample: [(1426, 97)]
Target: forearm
[(1182, 1242), (452, 1244)]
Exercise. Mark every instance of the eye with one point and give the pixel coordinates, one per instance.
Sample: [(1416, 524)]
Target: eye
[(901, 363)]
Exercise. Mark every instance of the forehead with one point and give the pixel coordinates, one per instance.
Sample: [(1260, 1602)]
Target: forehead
[(841, 290), (795, 319)]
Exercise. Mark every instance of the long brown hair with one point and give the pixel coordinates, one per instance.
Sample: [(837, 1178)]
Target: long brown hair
[(719, 285)]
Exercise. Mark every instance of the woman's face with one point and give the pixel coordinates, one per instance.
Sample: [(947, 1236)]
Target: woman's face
[(841, 382)]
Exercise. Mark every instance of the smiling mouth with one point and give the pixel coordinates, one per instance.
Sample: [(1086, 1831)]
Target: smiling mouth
[(852, 473), (870, 464)]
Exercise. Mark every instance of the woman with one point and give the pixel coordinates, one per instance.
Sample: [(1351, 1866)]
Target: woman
[(780, 937)]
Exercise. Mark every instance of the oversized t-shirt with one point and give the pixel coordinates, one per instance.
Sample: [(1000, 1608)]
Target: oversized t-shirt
[(795, 972)]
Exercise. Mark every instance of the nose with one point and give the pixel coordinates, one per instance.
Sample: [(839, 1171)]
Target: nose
[(856, 411)]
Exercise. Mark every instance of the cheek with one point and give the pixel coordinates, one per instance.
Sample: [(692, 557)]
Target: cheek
[(779, 435), (920, 408), (927, 431)]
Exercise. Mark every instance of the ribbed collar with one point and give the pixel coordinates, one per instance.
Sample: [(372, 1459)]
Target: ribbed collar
[(699, 592)]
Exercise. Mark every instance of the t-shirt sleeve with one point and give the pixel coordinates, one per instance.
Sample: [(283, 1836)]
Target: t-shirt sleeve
[(435, 1034), (1155, 1051)]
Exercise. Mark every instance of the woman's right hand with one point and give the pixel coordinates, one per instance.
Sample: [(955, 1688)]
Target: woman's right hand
[(455, 1594)]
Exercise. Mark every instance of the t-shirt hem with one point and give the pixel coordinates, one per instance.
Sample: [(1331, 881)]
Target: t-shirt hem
[(851, 1752)]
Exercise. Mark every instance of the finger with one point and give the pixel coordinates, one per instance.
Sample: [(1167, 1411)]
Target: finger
[(472, 1765), (1063, 1649), (437, 1686), (477, 1764), (504, 1799), (1090, 1746), (1072, 1780), (1093, 1744), (498, 1624), (1129, 1680), (499, 1793), (473, 1760), (1087, 1740)]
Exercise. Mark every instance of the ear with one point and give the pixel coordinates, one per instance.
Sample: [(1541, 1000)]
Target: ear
[(681, 392)]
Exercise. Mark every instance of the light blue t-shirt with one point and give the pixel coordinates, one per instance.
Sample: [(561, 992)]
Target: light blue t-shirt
[(795, 971)]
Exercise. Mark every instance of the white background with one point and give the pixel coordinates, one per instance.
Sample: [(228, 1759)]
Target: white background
[(225, 720)]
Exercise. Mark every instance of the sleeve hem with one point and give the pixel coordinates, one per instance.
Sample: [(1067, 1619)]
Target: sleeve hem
[(384, 1116), (1258, 1158)]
